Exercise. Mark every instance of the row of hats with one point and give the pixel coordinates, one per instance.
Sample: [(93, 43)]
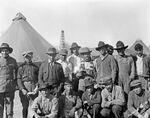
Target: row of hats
[(101, 44)]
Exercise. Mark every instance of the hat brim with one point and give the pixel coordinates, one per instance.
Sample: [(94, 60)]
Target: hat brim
[(8, 48), (99, 48), (75, 47), (85, 52), (121, 48)]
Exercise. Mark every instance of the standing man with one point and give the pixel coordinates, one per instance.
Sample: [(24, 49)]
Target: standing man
[(8, 74), (75, 60), (112, 99), (65, 65), (126, 68), (51, 72), (142, 66), (105, 64), (27, 81), (86, 68)]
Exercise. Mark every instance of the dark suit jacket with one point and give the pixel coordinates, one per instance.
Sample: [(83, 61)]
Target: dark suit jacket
[(45, 76)]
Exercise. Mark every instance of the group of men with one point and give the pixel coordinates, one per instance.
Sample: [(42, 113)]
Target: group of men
[(76, 86)]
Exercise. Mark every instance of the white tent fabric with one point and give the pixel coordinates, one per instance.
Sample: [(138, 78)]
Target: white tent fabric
[(146, 49), (21, 36)]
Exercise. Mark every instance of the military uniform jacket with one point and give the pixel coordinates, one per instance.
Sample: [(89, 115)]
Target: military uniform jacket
[(8, 74), (27, 76)]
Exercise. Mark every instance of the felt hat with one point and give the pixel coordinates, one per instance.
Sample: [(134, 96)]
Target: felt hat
[(5, 46)]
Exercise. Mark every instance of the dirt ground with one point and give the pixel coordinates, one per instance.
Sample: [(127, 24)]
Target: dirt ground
[(17, 106)]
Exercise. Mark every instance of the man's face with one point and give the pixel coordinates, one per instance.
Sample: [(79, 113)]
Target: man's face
[(139, 53), (68, 88), (51, 57), (86, 55), (90, 89), (63, 57), (28, 59), (5, 53), (75, 51), (109, 87), (45, 92), (121, 52), (103, 51), (138, 90)]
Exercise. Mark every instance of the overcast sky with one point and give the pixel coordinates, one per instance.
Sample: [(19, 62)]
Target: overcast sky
[(84, 21)]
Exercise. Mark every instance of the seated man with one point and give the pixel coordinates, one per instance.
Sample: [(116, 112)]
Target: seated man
[(70, 103), (91, 99), (45, 105), (138, 102), (112, 99)]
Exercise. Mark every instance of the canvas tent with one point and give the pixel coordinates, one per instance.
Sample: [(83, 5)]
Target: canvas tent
[(21, 36), (146, 49)]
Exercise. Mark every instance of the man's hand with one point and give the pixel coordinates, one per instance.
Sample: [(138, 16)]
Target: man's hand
[(24, 91), (72, 111)]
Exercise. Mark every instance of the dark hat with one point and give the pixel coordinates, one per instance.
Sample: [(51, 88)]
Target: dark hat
[(101, 44), (6, 46), (68, 82), (138, 47), (88, 81), (74, 45), (106, 80), (27, 53), (44, 86), (63, 52), (51, 51), (120, 45), (135, 83), (84, 50)]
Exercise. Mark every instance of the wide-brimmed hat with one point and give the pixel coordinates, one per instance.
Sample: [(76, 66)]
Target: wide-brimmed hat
[(106, 80), (51, 51), (135, 83), (88, 81), (27, 53), (120, 45), (74, 45), (63, 52), (101, 44), (5, 46), (45, 86), (84, 50)]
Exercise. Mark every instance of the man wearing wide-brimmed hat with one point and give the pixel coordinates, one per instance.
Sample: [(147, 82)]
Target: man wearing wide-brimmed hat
[(70, 103), (142, 66), (75, 60), (105, 64), (138, 101), (65, 64), (112, 99), (45, 105), (126, 67), (51, 72), (86, 68), (27, 79), (91, 99), (8, 80)]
